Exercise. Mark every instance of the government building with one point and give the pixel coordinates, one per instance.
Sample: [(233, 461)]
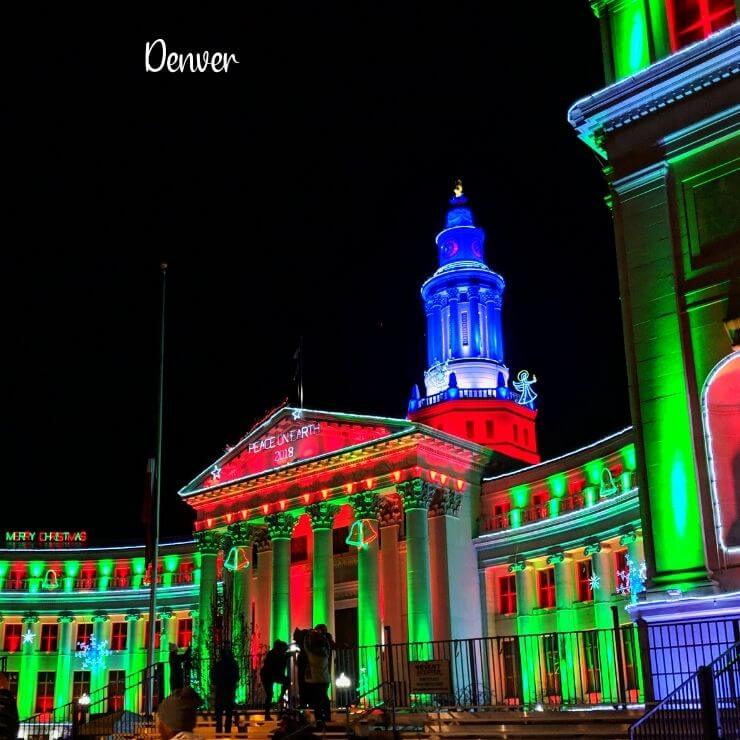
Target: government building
[(605, 576)]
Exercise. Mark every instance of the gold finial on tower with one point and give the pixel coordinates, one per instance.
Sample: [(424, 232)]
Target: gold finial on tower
[(458, 189)]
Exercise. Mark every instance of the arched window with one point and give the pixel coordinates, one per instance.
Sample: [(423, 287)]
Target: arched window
[(721, 412)]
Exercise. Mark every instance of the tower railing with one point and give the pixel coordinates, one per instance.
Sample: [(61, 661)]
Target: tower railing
[(454, 394)]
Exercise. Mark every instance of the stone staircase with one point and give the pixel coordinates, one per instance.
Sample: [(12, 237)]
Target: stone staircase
[(446, 725)]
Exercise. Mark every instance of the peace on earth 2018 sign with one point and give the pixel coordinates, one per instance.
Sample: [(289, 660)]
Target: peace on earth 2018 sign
[(430, 677)]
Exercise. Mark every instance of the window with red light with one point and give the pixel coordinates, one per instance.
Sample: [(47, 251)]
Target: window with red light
[(184, 572), (546, 588), (620, 564), (469, 428), (16, 580), (583, 579), (12, 641), (84, 633), (489, 428), (118, 635), (539, 508), (157, 634), (116, 690), (49, 638), (80, 684), (184, 632), (526, 437), (501, 515), (45, 691), (121, 578), (694, 20), (507, 594), (86, 580), (516, 432)]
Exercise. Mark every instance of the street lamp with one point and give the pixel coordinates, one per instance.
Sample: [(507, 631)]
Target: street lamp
[(343, 683)]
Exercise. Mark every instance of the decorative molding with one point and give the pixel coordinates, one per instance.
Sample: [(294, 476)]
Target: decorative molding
[(391, 511), (592, 549), (416, 494), (322, 515), (555, 558), (100, 617), (445, 503), (628, 538), (30, 618), (132, 616), (241, 534), (165, 613), (207, 542), (65, 618), (517, 566), (280, 525), (366, 504)]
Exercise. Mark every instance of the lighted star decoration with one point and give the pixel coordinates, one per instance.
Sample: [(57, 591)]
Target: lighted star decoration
[(296, 414), (216, 473), (594, 583), (28, 637)]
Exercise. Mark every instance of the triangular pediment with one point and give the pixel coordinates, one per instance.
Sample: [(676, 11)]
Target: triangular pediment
[(291, 436)]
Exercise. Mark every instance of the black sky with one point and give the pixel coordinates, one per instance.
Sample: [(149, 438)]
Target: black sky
[(299, 194)]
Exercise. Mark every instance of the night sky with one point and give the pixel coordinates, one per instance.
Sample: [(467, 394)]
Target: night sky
[(297, 195)]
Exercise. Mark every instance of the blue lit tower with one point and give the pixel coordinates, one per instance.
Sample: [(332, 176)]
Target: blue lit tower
[(467, 382)]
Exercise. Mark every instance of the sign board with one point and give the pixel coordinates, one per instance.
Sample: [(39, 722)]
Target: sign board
[(430, 677), (45, 538)]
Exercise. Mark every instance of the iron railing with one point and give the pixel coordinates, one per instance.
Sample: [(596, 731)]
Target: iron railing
[(555, 669), (116, 710), (705, 705)]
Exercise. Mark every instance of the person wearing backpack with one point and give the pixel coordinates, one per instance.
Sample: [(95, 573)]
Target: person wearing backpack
[(318, 672)]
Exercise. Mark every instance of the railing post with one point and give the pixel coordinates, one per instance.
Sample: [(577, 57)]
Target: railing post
[(643, 637), (708, 701), (619, 654), (473, 674), (389, 660)]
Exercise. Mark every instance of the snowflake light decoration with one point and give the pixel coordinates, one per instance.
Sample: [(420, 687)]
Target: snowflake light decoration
[(28, 638), (93, 653), (216, 473), (296, 414), (631, 582), (594, 583)]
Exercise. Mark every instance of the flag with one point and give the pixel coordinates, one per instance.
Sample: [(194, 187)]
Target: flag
[(147, 513)]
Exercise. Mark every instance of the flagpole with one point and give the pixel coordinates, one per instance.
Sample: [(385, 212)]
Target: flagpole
[(157, 493), (300, 370)]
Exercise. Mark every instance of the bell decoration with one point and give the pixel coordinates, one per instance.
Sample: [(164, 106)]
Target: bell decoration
[(51, 581), (236, 559), (361, 533)]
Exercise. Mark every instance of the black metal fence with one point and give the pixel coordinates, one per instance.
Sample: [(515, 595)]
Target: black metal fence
[(555, 669), (706, 705), (116, 710)]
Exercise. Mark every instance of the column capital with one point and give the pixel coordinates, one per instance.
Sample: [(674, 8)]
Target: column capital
[(240, 533), (100, 616), (592, 549), (366, 504), (165, 613), (556, 558), (132, 616), (208, 542), (416, 494), (391, 511), (65, 618), (445, 503), (453, 294), (280, 525), (30, 618), (628, 538), (322, 515), (517, 566)]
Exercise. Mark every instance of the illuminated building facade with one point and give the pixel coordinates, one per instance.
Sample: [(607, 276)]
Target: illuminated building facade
[(668, 130), (385, 529)]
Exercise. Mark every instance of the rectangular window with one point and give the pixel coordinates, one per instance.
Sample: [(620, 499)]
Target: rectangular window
[(339, 539), (16, 580), (465, 331), (184, 632), (593, 668), (84, 633), (13, 683), (489, 428), (121, 577), (620, 566), (507, 594), (80, 684), (526, 436), (119, 633), (49, 638), (12, 642), (299, 549), (694, 20), (501, 516), (539, 508), (116, 690), (86, 580), (583, 575), (157, 634), (45, 692), (516, 432), (184, 573), (546, 588), (469, 429)]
